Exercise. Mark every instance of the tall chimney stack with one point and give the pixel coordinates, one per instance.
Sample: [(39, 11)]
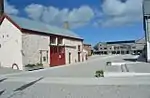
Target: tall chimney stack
[(66, 25), (1, 7)]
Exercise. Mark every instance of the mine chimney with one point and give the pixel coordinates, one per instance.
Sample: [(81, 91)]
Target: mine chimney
[(1, 7)]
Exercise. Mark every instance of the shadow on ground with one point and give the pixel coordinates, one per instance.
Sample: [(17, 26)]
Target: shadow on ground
[(131, 60)]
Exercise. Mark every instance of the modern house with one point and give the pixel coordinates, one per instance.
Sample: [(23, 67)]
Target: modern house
[(24, 41), (120, 47)]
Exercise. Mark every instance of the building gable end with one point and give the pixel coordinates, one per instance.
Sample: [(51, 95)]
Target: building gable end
[(9, 19)]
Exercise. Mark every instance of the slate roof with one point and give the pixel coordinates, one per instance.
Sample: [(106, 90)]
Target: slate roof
[(42, 27), (120, 42), (141, 41)]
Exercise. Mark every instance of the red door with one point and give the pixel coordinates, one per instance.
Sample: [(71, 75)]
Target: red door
[(57, 55)]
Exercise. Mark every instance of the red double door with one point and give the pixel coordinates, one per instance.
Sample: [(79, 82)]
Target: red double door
[(57, 55)]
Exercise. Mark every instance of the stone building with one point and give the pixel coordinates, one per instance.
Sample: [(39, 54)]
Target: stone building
[(88, 48), (24, 41)]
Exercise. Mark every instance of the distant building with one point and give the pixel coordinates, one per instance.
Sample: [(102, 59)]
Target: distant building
[(88, 48), (120, 47), (24, 41), (85, 55)]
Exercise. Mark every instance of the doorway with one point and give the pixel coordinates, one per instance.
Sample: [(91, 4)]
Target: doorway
[(44, 57), (57, 55), (78, 56), (69, 58)]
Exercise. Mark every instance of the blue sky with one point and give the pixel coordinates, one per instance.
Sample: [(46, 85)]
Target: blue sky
[(94, 20)]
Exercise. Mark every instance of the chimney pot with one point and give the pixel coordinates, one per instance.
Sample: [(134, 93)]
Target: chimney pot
[(66, 25)]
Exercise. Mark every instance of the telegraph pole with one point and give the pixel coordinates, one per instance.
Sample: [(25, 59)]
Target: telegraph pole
[(1, 7)]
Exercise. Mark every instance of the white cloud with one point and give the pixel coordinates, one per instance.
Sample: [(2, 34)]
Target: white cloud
[(116, 13), (34, 11), (10, 9), (110, 13), (77, 17)]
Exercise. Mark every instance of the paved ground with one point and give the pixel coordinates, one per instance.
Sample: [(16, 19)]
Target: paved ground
[(8, 71), (85, 69), (139, 67), (27, 87), (77, 81)]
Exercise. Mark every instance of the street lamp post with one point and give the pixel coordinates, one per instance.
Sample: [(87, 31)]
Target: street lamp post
[(1, 7)]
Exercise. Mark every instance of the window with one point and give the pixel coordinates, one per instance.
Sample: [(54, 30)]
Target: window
[(7, 35), (79, 48), (3, 36), (105, 48), (53, 40), (0, 45), (133, 47), (115, 48), (44, 59), (121, 47), (60, 41)]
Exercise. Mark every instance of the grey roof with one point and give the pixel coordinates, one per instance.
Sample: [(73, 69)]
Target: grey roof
[(141, 41), (121, 42), (42, 27)]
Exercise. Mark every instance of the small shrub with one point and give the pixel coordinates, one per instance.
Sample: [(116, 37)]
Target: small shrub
[(39, 64), (108, 63), (30, 65), (99, 73)]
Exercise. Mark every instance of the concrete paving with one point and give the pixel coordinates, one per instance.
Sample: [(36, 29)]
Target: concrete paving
[(133, 87), (8, 71), (88, 68), (139, 67), (84, 69), (78, 81)]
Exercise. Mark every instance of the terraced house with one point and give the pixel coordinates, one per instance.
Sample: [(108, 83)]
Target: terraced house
[(24, 41), (121, 47)]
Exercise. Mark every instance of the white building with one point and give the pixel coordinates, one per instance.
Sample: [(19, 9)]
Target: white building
[(24, 41), (146, 23)]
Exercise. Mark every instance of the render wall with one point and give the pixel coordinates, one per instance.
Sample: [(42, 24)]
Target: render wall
[(73, 51), (148, 39), (88, 48), (32, 45), (11, 45)]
